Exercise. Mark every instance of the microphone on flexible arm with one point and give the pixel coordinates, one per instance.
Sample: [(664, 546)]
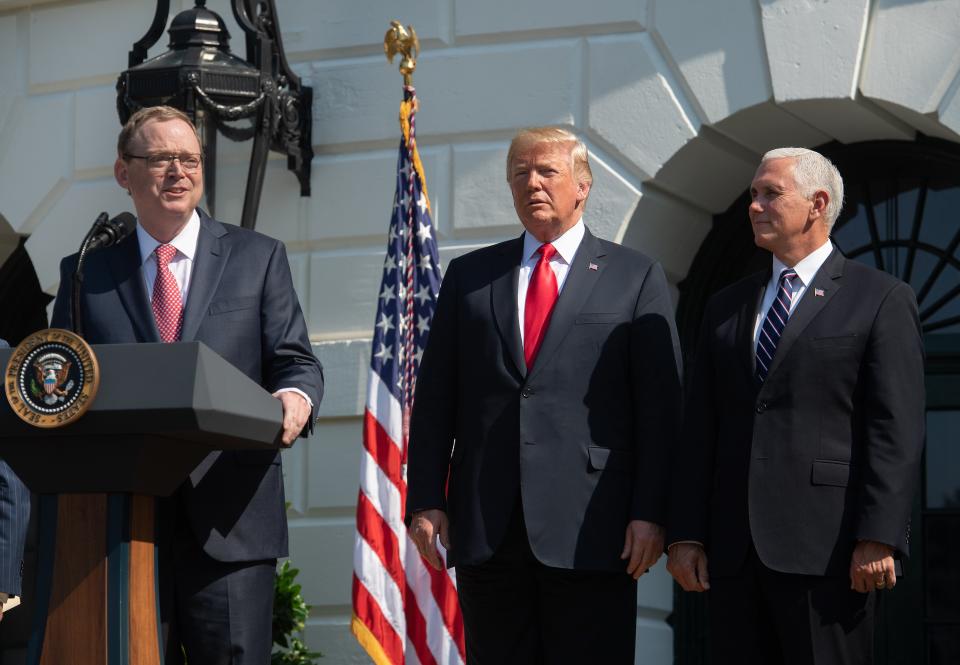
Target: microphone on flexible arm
[(111, 232), (105, 232)]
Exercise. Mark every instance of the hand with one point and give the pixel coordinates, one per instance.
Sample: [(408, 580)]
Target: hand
[(642, 545), (296, 411), (871, 567), (424, 528), (687, 562)]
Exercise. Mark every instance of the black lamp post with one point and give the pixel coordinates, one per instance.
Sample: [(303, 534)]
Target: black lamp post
[(200, 76)]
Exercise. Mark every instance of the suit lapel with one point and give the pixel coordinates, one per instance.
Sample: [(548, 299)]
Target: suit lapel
[(503, 294), (827, 282), (127, 268), (747, 320), (208, 264), (585, 270)]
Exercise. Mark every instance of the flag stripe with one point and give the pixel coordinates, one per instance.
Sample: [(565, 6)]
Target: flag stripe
[(378, 637), (384, 451)]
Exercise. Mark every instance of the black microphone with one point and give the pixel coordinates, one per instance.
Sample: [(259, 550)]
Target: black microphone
[(112, 231)]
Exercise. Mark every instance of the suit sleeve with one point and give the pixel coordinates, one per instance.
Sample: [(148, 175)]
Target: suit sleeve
[(894, 424), (286, 356), (62, 317), (433, 421), (14, 518), (655, 379)]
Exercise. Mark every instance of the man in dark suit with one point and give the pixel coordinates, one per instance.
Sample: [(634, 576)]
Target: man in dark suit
[(802, 436), (549, 395), (186, 277), (14, 518)]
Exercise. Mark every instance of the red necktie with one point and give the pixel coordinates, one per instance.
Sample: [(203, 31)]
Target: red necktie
[(167, 306), (541, 296)]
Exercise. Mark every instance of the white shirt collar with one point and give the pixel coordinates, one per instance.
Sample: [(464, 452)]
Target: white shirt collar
[(566, 245), (807, 267), (185, 241)]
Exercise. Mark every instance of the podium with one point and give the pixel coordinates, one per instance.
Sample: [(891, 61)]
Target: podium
[(160, 409)]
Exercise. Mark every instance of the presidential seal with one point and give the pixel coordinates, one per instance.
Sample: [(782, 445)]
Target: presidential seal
[(51, 378)]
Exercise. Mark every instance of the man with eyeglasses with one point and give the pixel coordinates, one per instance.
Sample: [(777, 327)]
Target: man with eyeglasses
[(189, 277)]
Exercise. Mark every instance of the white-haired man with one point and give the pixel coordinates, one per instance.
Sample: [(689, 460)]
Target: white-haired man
[(552, 375), (802, 437)]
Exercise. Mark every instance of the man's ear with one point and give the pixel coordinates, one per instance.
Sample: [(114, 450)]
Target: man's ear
[(121, 174), (820, 202), (583, 189)]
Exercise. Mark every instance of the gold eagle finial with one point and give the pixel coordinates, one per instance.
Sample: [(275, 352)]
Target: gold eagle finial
[(403, 41)]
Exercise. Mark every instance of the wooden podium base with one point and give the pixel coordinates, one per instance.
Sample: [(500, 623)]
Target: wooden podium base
[(96, 581)]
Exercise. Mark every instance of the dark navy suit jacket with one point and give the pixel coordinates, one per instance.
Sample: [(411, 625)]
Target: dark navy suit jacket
[(584, 436), (14, 517), (827, 450), (241, 304)]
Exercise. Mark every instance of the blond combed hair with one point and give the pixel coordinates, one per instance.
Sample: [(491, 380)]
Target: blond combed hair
[(533, 135)]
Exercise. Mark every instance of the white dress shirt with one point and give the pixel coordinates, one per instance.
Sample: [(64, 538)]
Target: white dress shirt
[(806, 270), (182, 263), (566, 246), (181, 266)]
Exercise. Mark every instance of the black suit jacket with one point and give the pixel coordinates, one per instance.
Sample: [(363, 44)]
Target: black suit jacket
[(14, 519), (584, 437), (826, 451), (243, 306)]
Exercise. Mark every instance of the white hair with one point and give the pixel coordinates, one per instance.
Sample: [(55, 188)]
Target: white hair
[(812, 172)]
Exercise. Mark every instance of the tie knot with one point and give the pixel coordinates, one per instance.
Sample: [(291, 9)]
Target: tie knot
[(165, 254), (787, 275), (547, 250)]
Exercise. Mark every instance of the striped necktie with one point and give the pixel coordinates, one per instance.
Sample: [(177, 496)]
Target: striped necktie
[(773, 324)]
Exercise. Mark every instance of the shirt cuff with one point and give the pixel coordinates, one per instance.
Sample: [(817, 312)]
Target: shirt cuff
[(299, 392)]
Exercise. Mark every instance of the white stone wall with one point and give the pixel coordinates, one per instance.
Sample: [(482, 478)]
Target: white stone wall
[(676, 100)]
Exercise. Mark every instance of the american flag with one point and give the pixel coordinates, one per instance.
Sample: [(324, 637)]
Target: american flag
[(404, 611)]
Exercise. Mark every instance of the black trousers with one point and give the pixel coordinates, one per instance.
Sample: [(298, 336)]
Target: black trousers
[(215, 613), (764, 617), (518, 611)]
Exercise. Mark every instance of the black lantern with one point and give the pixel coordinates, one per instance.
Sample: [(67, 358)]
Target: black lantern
[(200, 76)]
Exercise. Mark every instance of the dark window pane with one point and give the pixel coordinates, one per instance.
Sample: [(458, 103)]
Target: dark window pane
[(940, 216), (941, 543), (943, 460)]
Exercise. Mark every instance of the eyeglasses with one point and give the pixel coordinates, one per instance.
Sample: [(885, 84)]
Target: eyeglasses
[(160, 162)]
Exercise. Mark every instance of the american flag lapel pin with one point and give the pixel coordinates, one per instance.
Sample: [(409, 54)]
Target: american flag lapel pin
[(818, 293), (593, 266)]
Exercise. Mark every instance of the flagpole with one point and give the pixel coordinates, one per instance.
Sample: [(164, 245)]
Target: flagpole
[(402, 608)]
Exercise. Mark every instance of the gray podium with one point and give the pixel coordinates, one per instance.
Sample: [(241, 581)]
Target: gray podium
[(160, 409)]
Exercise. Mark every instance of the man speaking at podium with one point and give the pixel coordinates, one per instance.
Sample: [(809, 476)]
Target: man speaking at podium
[(187, 277)]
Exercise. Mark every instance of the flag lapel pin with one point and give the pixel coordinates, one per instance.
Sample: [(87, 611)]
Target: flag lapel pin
[(818, 293), (593, 266)]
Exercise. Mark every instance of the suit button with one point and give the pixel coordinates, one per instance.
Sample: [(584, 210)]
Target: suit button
[(526, 392), (761, 407)]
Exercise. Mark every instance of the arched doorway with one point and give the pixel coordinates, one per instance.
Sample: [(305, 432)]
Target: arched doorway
[(901, 215)]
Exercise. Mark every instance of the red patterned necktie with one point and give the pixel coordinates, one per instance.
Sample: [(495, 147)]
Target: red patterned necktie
[(541, 296), (167, 306)]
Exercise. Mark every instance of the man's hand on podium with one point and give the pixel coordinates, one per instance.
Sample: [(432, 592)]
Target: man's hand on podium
[(296, 411)]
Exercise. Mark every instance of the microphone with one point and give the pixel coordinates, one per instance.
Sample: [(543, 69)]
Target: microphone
[(107, 233), (104, 233)]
